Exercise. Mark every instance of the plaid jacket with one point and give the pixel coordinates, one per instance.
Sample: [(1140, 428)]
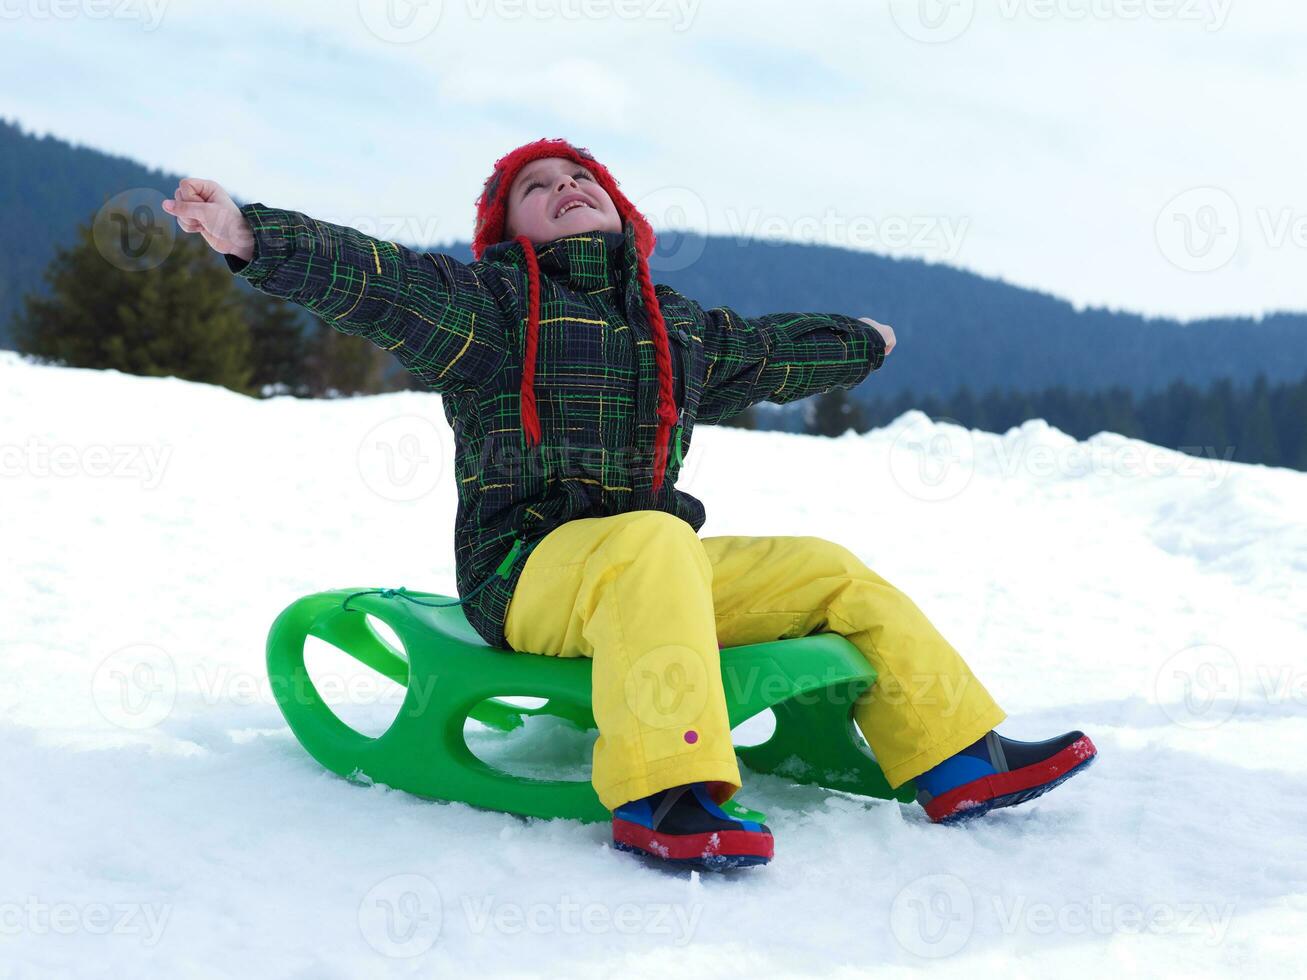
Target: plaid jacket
[(458, 328)]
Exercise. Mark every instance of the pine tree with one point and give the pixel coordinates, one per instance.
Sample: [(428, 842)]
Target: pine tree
[(1257, 442), (963, 407), (1289, 405), (180, 317), (344, 364), (747, 419), (836, 413), (1119, 414), (1206, 427), (279, 346)]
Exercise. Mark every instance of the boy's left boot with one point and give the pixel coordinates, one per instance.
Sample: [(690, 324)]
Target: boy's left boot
[(997, 772), (683, 826)]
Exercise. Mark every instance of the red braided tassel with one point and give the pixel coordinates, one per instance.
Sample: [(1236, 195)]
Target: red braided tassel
[(667, 413), (530, 420)]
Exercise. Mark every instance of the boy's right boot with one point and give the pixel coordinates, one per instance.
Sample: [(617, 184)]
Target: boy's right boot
[(996, 772), (683, 826)]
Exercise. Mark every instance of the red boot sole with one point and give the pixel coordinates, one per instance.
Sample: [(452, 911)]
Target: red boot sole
[(718, 849), (1010, 788)]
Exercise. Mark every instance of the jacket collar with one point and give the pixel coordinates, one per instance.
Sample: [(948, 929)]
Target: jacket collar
[(585, 261)]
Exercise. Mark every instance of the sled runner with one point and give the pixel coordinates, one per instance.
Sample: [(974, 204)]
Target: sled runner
[(810, 683)]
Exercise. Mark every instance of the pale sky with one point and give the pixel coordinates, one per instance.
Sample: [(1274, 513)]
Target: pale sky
[(1138, 154)]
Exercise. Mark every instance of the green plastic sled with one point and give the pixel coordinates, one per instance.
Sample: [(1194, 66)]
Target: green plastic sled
[(451, 674)]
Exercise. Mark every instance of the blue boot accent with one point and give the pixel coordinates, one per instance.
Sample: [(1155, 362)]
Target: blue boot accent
[(971, 763), (638, 811)]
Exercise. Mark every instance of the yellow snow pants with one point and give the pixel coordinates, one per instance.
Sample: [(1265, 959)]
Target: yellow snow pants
[(651, 603)]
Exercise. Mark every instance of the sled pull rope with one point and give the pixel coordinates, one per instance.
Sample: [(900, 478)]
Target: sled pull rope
[(400, 593)]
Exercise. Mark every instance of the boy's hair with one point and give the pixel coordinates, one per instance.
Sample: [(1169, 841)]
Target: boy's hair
[(491, 221)]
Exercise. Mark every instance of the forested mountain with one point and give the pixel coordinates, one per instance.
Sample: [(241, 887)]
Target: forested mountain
[(955, 328)]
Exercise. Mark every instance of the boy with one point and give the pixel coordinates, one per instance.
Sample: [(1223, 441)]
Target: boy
[(573, 385)]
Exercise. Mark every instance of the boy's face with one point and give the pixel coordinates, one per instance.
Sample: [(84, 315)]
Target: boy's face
[(544, 187)]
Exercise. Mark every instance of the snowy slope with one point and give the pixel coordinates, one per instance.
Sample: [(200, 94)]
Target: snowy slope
[(159, 820)]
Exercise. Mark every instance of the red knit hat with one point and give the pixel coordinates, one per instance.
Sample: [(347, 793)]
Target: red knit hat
[(492, 213)]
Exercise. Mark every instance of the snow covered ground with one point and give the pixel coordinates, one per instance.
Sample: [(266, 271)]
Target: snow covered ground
[(159, 820)]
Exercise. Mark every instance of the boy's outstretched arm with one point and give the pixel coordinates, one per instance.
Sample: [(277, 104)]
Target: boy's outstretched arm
[(782, 357), (429, 309)]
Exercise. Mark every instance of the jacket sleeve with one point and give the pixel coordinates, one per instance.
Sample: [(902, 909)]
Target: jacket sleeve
[(782, 357), (432, 311)]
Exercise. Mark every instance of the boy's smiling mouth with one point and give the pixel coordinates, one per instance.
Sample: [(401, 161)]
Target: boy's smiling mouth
[(571, 202)]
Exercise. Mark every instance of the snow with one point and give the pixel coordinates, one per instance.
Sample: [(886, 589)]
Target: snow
[(160, 820)]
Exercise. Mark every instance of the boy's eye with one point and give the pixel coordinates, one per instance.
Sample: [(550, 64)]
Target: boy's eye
[(538, 183)]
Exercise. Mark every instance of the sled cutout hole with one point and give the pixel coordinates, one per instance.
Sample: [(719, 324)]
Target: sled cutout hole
[(386, 635), (544, 747), (525, 702), (754, 731), (360, 697)]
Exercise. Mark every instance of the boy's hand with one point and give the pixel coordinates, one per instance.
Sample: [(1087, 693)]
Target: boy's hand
[(885, 331), (203, 206)]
